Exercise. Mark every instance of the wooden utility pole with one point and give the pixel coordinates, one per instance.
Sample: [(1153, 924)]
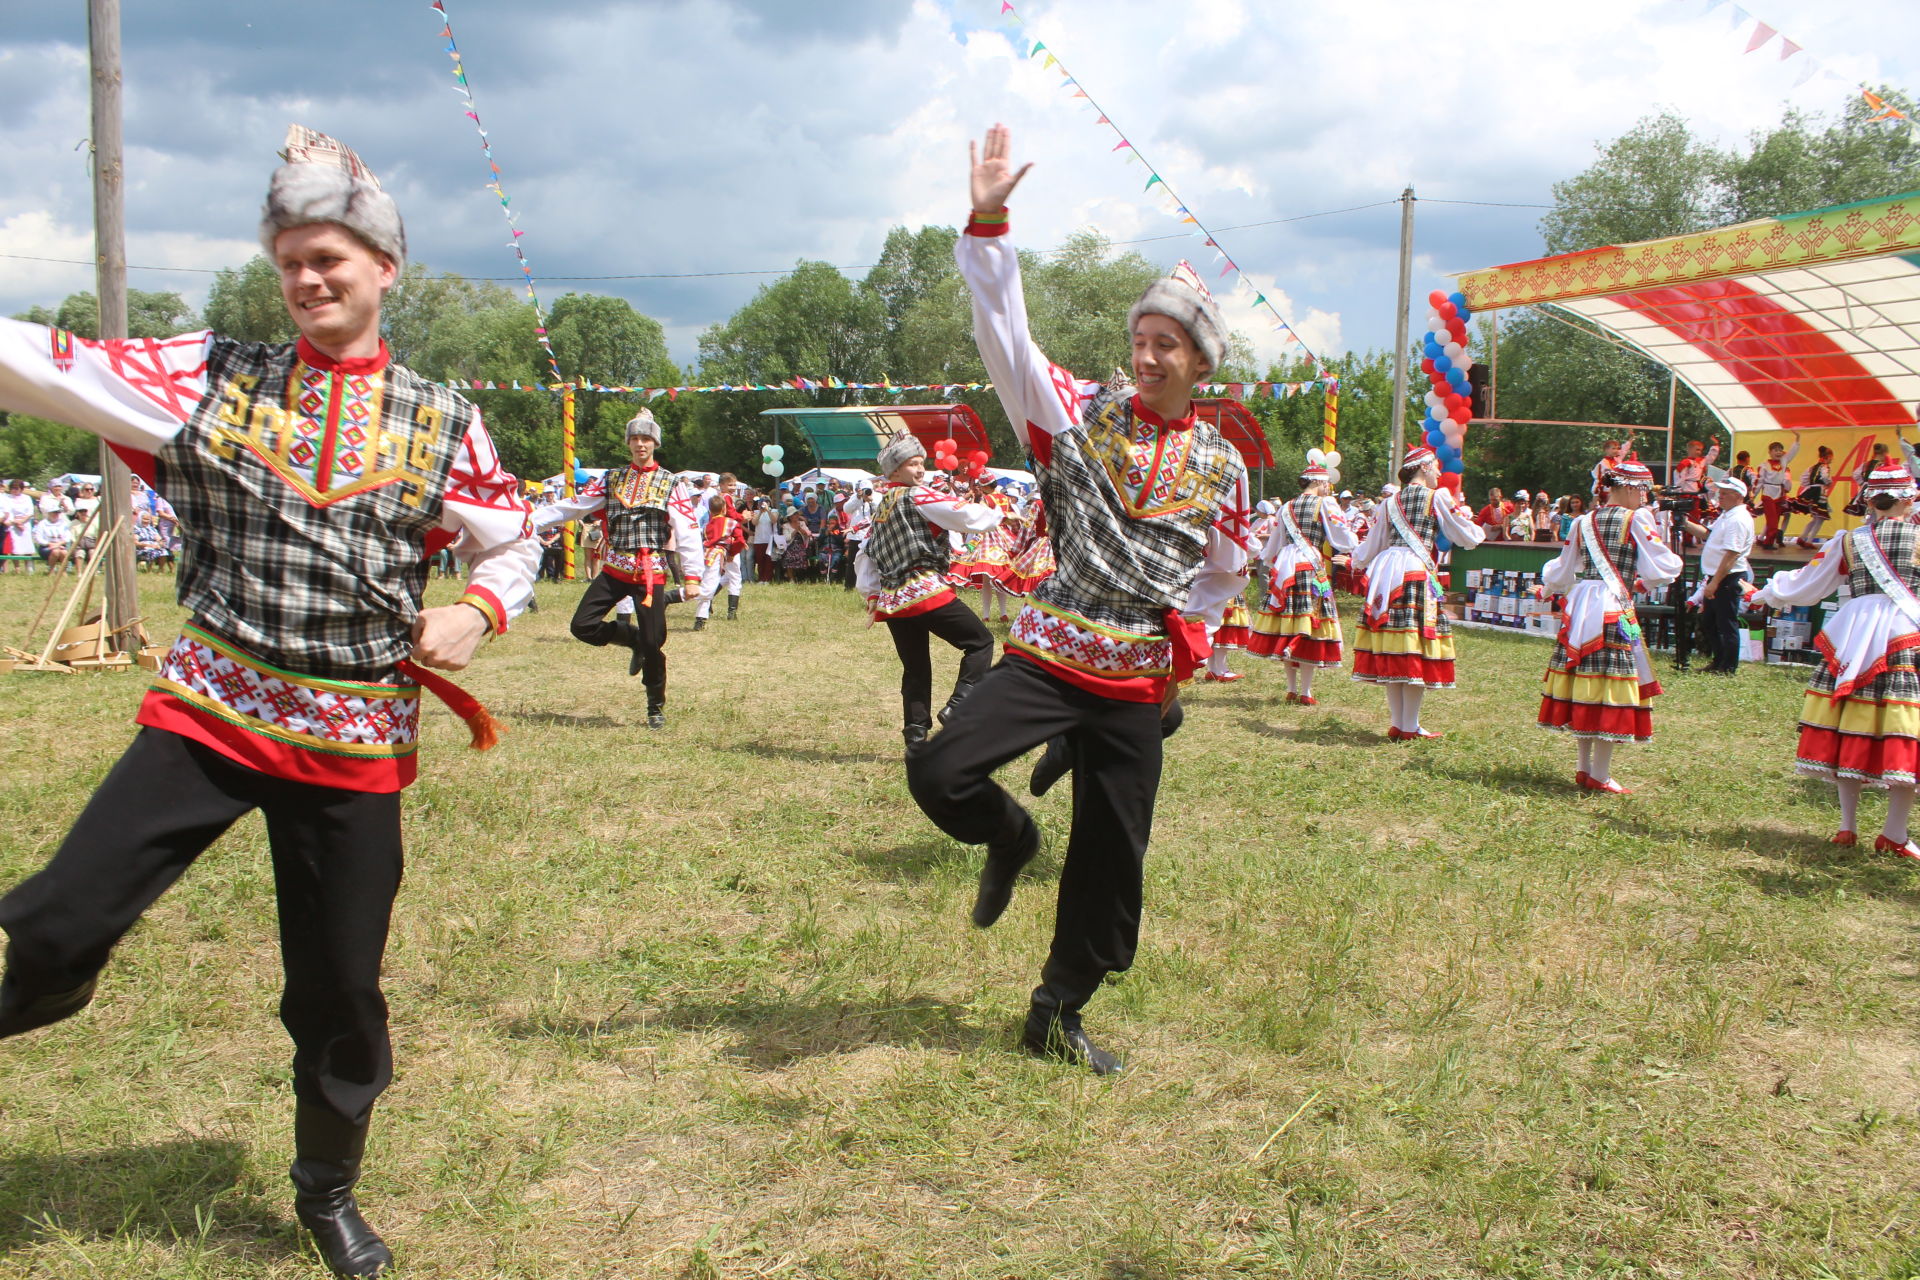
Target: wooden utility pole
[(110, 283), (1400, 337)]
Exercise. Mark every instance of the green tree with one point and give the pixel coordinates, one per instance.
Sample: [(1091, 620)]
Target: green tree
[(1793, 168), (245, 303), (604, 340), (420, 303), (36, 450)]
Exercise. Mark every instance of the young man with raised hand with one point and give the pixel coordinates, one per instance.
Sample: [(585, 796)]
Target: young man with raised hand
[(313, 479), (1149, 515)]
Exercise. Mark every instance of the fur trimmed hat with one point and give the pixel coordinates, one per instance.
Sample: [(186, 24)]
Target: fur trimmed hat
[(644, 423), (902, 449), (1183, 298), (324, 181)]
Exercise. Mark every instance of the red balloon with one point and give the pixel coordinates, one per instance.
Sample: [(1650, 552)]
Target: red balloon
[(976, 469), (980, 456), (1437, 299), (1450, 481), (1461, 413), (1426, 364), (1447, 312)]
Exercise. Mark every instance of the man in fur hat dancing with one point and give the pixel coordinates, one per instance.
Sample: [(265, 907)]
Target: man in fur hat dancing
[(1149, 514), (313, 480)]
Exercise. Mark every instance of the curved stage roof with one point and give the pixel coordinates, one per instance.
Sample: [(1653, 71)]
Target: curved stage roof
[(1807, 321)]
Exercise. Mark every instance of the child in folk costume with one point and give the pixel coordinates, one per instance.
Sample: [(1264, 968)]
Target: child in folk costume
[(796, 545), (985, 558), (1772, 484), (1811, 501), (1231, 636), (295, 687), (724, 537), (1599, 682), (1860, 720), (1298, 621), (1033, 563), (1149, 510), (652, 537), (1406, 642), (902, 572)]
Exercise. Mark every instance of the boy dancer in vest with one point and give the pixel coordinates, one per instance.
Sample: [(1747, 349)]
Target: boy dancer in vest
[(650, 534), (725, 537), (313, 479), (902, 573), (1149, 514)]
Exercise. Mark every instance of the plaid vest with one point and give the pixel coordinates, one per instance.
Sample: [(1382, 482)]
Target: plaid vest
[(1896, 539), (1130, 507), (1610, 530), (1305, 511), (305, 499), (903, 542), (636, 511), (1416, 504)]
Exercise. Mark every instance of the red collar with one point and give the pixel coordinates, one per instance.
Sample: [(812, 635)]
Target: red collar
[(314, 358), (1151, 418), (651, 466)]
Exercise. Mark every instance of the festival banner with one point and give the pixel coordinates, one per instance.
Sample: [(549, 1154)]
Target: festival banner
[(1233, 390), (1759, 35), (495, 185)]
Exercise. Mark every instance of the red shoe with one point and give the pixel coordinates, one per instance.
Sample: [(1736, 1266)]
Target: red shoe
[(1907, 850), (1607, 785), (1582, 779), (1426, 733), (1396, 734), (1227, 678), (1307, 701), (1292, 697), (1844, 837)]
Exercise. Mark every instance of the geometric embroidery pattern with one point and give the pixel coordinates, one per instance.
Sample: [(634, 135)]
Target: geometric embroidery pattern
[(321, 715), (1073, 644)]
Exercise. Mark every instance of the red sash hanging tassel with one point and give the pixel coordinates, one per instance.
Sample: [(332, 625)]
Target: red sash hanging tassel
[(480, 722)]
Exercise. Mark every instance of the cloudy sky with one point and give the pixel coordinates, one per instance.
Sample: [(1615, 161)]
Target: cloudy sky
[(696, 142)]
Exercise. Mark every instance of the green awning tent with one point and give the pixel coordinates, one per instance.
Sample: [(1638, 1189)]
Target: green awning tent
[(853, 435)]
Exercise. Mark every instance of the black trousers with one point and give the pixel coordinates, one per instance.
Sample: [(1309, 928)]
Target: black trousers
[(1016, 707), (591, 625), (1723, 623), (957, 625), (336, 867)]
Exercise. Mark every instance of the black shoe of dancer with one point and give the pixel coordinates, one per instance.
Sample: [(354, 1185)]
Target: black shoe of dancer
[(328, 1150), (960, 692), (1005, 860), (1055, 763), (629, 635), (21, 1013), (1052, 1032), (656, 709), (915, 734), (699, 624), (733, 608)]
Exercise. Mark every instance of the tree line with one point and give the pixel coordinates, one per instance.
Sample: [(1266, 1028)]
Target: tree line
[(908, 320)]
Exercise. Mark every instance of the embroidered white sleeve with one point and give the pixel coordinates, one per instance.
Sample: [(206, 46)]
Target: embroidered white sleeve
[(866, 576), (1037, 394), (955, 516), (1657, 565), (583, 503), (1455, 522), (1339, 532), (1561, 572), (686, 532), (1223, 573), (1812, 582), (493, 526), (135, 392)]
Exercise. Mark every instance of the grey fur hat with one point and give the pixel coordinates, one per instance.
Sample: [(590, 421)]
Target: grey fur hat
[(901, 449), (644, 423), (1182, 297), (324, 181)]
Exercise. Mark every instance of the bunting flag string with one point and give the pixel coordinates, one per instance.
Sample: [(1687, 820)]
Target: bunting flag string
[(1238, 390), (1173, 203), (1759, 35), (496, 185)]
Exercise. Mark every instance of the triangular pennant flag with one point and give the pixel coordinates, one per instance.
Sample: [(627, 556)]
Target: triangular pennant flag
[(1761, 34), (1103, 120), (1037, 48), (1740, 17), (1787, 48), (1122, 143), (1150, 181)]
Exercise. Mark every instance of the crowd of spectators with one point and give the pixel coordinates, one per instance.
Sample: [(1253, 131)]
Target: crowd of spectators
[(58, 525)]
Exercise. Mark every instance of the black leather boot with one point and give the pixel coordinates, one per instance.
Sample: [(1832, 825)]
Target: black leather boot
[(915, 734), (1005, 859), (960, 692), (1055, 763), (656, 708), (699, 624), (733, 608), (22, 1011), (1053, 1031), (630, 636), (327, 1152)]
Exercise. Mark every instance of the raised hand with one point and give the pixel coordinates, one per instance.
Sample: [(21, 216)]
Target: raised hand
[(994, 176)]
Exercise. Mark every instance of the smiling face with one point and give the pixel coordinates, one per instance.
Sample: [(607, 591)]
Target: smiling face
[(640, 451), (332, 284), (912, 471), (1166, 364)]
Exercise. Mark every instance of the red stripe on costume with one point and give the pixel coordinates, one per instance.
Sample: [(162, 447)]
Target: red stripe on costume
[(1618, 723), (276, 759), (489, 604), (1856, 755), (1874, 669), (1298, 647), (928, 605), (1408, 667), (141, 464), (1119, 688)]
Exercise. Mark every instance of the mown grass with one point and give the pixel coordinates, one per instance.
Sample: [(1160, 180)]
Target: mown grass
[(704, 1003)]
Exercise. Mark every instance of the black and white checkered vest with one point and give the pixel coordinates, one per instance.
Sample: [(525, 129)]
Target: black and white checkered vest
[(1416, 504), (1305, 511), (1610, 528), (636, 511), (302, 545), (903, 541), (1123, 562), (1896, 539)]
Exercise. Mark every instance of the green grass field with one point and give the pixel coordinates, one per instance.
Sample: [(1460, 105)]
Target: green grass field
[(704, 1003)]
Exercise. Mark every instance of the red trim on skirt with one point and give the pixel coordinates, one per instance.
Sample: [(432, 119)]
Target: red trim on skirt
[(1617, 723), (1407, 667), (1297, 648), (1856, 755)]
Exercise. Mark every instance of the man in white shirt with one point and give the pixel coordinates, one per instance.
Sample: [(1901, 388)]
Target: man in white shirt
[(1723, 561)]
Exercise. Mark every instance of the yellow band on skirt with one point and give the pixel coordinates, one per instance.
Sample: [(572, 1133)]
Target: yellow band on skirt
[(1595, 691), (1861, 717), (1395, 643)]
